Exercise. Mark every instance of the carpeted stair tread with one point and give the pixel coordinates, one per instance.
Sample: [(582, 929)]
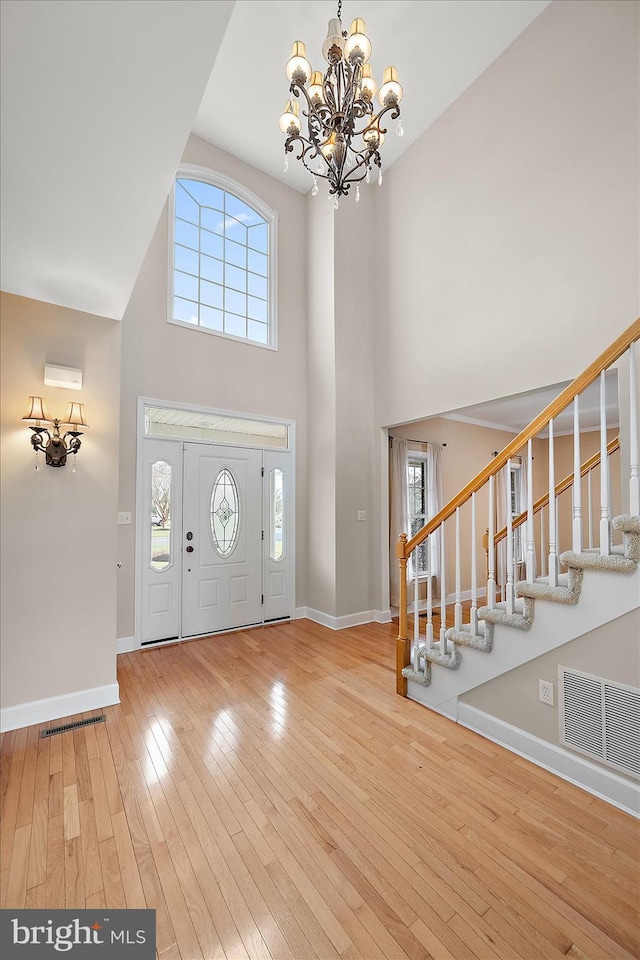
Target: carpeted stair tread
[(563, 580), (520, 619), (627, 523), (614, 563), (465, 638), (567, 590), (449, 660), (624, 558), (417, 675)]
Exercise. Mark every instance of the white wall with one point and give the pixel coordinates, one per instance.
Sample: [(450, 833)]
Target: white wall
[(321, 406), (357, 565), (58, 528), (508, 253), (343, 551), (169, 362), (612, 652)]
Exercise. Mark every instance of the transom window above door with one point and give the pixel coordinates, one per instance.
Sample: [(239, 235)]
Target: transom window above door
[(222, 259)]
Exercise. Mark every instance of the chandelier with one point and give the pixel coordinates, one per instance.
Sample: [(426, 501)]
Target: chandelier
[(343, 135)]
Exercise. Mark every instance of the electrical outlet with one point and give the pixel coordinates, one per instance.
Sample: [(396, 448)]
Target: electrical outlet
[(545, 692), (362, 515), (124, 517)]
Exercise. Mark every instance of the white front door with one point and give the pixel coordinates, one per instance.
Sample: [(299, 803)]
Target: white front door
[(221, 538)]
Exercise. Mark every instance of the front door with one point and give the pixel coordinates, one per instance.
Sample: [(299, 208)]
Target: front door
[(222, 539)]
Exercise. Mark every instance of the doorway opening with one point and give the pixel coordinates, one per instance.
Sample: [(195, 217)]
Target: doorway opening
[(215, 522)]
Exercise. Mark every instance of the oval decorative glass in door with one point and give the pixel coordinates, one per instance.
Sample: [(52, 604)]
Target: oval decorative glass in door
[(225, 513), (160, 520)]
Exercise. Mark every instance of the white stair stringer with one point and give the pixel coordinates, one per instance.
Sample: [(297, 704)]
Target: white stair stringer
[(585, 598)]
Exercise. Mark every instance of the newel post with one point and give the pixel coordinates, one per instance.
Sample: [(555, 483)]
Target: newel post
[(403, 652)]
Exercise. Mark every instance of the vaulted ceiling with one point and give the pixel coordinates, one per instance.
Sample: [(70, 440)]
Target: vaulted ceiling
[(99, 98)]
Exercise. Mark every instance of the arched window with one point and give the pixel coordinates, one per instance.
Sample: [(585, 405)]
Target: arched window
[(222, 258)]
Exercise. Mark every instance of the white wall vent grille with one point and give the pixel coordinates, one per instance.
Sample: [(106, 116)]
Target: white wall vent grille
[(600, 718)]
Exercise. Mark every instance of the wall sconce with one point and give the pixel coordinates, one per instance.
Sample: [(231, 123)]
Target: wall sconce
[(55, 448)]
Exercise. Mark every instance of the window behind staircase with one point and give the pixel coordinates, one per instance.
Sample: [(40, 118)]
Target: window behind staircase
[(417, 495)]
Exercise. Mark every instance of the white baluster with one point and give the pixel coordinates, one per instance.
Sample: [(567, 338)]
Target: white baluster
[(416, 611), (531, 547), (474, 571), (590, 509), (543, 543), (428, 545), (634, 477), (458, 606), (553, 523), (509, 562), (443, 592), (577, 481), (605, 510), (491, 582)]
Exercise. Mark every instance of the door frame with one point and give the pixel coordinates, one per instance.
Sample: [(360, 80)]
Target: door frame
[(142, 402)]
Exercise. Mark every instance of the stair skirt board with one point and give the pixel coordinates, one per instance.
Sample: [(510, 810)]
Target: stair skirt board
[(571, 609), (596, 780)]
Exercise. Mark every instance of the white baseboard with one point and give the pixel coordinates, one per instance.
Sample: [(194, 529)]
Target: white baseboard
[(126, 644), (598, 781), (449, 599), (342, 623), (382, 616), (465, 595), (56, 708)]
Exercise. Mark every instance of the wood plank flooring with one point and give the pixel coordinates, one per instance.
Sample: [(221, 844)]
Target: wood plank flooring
[(271, 797)]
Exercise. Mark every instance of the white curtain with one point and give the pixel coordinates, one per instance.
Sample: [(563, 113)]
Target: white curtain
[(435, 500), (399, 518), (503, 504)]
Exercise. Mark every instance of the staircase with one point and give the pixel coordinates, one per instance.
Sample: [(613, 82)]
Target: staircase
[(582, 588)]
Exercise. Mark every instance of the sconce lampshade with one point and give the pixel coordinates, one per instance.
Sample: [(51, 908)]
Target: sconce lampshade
[(75, 417), (37, 410)]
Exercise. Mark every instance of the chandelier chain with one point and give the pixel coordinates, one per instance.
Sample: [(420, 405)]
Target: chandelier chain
[(340, 10)]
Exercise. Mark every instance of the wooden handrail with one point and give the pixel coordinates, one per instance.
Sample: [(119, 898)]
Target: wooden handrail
[(588, 465), (610, 355)]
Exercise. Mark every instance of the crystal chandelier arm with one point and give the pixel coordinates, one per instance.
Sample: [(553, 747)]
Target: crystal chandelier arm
[(316, 113), (375, 119)]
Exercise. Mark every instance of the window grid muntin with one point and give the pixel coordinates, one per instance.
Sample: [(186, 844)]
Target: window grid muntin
[(263, 260)]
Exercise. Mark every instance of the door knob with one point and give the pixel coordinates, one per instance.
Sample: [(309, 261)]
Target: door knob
[(189, 549)]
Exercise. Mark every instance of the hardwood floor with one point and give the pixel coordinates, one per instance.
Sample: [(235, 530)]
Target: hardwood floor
[(270, 796)]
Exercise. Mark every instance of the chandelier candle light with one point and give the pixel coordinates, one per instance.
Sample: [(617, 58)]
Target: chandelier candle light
[(344, 134)]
